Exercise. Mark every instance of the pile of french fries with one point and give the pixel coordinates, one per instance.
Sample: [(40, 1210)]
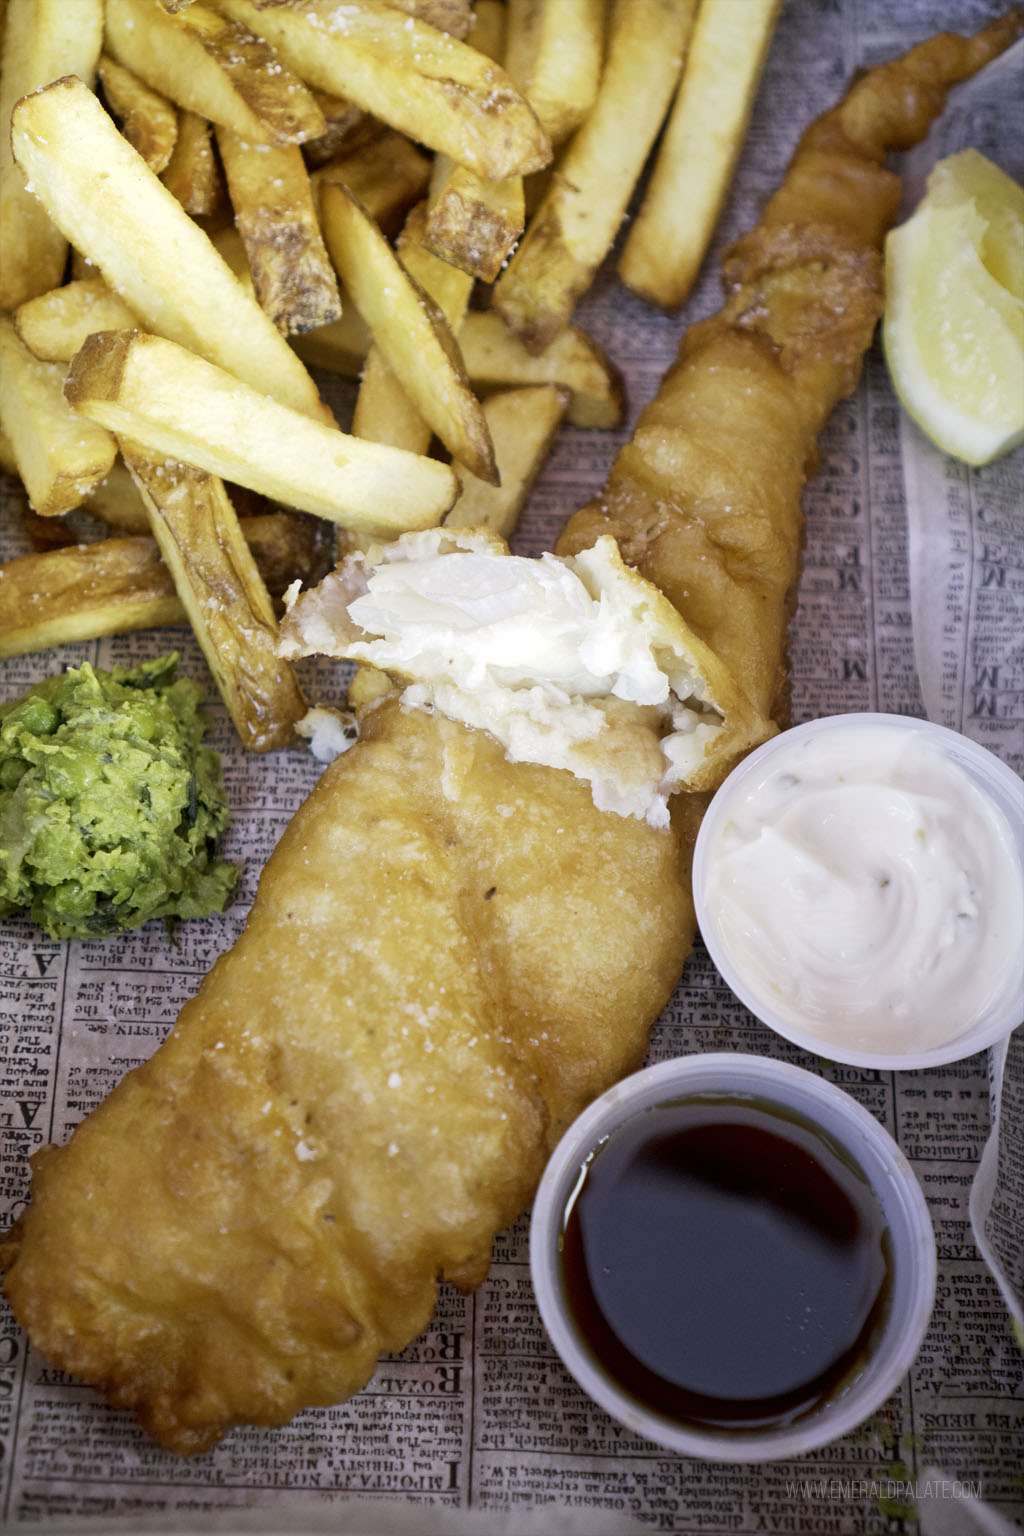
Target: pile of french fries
[(200, 200)]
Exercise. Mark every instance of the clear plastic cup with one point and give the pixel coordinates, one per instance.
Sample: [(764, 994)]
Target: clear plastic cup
[(996, 782), (870, 1148)]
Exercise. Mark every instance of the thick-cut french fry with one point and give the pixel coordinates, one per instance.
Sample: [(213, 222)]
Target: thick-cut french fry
[(339, 348), (55, 324), (386, 173), (222, 592), (42, 39), (288, 547), (174, 403), (454, 16), (411, 332), (59, 456), (148, 121), (111, 206), (572, 230), (191, 172), (473, 223), (423, 82), (495, 359), (116, 501), (698, 154), (347, 126), (8, 463), (553, 54), (275, 215), (214, 67), (384, 411), (523, 423), (84, 591), (230, 245)]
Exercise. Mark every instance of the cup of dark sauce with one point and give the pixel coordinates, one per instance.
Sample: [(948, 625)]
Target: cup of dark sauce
[(732, 1257)]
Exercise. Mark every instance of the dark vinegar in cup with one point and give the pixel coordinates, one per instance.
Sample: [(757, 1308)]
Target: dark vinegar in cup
[(725, 1262)]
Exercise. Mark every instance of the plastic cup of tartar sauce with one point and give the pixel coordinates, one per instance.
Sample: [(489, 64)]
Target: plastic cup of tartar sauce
[(859, 883), (732, 1257)]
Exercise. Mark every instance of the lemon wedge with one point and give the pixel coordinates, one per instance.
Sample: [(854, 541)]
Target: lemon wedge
[(954, 309)]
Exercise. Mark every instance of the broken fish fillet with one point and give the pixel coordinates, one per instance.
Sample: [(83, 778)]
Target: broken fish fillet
[(574, 662), (450, 954)]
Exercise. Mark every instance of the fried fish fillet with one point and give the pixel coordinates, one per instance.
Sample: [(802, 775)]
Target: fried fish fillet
[(450, 953), (705, 499), (449, 956)]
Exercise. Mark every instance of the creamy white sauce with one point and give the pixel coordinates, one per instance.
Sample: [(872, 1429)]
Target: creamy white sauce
[(869, 891)]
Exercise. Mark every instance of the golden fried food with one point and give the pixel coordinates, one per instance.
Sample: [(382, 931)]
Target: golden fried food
[(432, 984), (451, 953), (705, 499)]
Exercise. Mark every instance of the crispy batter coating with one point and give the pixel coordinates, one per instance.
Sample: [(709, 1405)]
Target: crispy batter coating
[(449, 954), (705, 499), (440, 971)]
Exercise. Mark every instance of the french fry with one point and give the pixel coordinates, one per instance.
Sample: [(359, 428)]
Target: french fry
[(288, 547), (8, 463), (148, 121), (84, 591), (423, 82), (553, 54), (191, 173), (453, 16), (384, 412), (116, 501), (60, 457), (173, 403), (573, 229), (275, 215), (386, 173), (229, 244), (347, 126), (411, 332), (473, 223), (214, 67), (495, 359), (341, 347), (523, 423), (698, 154), (54, 325), (223, 594), (42, 39), (111, 206)]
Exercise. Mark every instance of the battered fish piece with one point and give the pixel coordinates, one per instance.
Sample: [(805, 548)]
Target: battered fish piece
[(451, 954), (705, 499)]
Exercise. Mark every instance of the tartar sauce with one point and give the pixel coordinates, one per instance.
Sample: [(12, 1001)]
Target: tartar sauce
[(868, 891)]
